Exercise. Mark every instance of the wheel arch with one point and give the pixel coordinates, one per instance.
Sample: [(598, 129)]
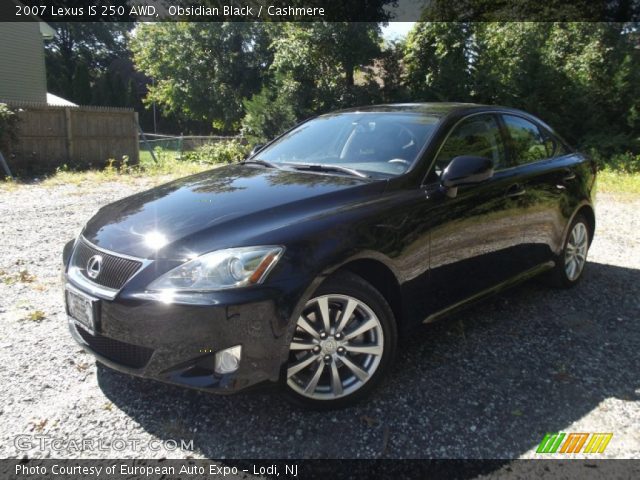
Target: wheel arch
[(590, 215), (585, 209), (383, 279)]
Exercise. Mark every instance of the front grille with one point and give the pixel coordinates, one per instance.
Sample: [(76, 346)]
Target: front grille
[(115, 271), (125, 354)]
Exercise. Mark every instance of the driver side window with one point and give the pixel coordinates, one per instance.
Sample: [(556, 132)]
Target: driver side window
[(478, 136)]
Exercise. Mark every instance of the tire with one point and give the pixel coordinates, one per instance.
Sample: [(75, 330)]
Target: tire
[(341, 366), (574, 254)]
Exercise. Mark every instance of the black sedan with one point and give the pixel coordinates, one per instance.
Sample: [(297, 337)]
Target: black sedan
[(303, 264)]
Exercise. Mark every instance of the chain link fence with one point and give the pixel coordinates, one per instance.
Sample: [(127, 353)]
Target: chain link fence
[(178, 145)]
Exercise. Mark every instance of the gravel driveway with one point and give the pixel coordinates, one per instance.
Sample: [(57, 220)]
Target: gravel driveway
[(487, 383)]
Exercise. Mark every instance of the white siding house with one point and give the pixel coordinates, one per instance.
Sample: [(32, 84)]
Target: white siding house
[(22, 70)]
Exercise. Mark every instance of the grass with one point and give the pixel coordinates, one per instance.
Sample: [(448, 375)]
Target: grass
[(167, 167), (36, 316), (23, 276), (170, 155), (610, 181)]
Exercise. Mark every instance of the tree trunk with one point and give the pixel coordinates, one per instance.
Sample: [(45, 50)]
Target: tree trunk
[(349, 75)]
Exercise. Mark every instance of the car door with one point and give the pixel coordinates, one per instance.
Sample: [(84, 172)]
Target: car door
[(544, 167), (475, 237)]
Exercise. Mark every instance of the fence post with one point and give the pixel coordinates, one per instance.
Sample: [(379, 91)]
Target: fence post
[(146, 142), (69, 134), (136, 138)]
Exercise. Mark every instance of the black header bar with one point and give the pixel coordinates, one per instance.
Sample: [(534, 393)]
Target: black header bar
[(320, 10), (334, 469)]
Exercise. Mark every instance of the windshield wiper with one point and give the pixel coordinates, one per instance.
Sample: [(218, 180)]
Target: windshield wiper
[(320, 167), (257, 161)]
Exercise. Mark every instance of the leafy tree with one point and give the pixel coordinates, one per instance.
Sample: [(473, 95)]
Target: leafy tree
[(8, 128), (581, 77), (268, 114), (203, 71), (390, 70), (438, 61), (94, 45), (509, 64), (320, 60), (81, 84)]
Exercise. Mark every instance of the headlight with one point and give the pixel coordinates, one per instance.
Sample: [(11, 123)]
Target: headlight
[(231, 268)]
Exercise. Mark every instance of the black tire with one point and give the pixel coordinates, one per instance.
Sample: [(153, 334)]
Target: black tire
[(558, 276), (348, 284)]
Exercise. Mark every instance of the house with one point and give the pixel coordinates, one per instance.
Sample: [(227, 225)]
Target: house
[(23, 76), (53, 131)]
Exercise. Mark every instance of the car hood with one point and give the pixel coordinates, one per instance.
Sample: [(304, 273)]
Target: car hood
[(220, 208)]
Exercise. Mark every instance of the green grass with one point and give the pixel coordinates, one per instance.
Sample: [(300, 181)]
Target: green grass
[(610, 181), (167, 167), (146, 158)]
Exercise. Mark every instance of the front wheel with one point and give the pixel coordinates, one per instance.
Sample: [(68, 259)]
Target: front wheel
[(343, 343), (571, 262)]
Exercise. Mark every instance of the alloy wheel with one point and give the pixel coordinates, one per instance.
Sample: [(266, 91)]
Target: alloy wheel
[(576, 251), (336, 348)]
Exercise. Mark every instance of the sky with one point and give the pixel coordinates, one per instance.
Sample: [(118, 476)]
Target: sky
[(397, 30)]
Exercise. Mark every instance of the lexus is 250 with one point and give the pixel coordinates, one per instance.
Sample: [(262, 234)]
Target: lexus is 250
[(304, 263)]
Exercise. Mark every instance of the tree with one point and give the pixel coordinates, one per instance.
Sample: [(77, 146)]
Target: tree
[(93, 45), (81, 85), (390, 69), (582, 78), (8, 128), (438, 61), (510, 65), (268, 114), (203, 71), (315, 64)]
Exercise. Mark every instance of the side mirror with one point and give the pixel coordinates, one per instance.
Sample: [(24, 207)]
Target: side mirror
[(256, 148), (465, 170)]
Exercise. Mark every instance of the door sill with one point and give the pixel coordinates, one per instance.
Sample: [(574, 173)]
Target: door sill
[(527, 274)]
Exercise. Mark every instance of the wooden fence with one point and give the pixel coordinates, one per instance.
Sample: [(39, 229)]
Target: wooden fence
[(83, 137)]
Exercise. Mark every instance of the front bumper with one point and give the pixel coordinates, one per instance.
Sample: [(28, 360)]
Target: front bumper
[(176, 343)]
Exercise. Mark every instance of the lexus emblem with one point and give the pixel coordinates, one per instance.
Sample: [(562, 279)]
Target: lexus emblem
[(94, 265)]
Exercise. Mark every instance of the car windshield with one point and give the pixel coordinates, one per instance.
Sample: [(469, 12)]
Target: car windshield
[(370, 143)]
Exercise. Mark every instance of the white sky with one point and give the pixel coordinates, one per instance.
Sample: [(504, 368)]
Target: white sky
[(397, 30)]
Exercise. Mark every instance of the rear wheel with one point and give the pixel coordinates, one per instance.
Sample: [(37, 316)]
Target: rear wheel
[(344, 341), (571, 262)]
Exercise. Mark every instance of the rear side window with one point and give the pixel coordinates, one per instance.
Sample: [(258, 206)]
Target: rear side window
[(477, 136), (527, 142)]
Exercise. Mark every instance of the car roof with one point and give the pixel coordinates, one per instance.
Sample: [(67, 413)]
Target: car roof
[(439, 109), (445, 111)]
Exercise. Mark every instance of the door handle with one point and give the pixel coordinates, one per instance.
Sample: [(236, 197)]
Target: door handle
[(515, 190)]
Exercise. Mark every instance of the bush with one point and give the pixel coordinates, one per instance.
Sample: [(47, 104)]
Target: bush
[(624, 162), (8, 128), (268, 115), (228, 151)]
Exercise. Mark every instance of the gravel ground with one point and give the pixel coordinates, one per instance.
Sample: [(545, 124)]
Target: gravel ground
[(486, 383)]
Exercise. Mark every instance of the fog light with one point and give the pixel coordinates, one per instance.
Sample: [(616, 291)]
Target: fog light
[(228, 360)]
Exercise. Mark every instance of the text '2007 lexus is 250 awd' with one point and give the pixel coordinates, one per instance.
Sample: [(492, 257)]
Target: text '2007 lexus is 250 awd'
[(304, 263)]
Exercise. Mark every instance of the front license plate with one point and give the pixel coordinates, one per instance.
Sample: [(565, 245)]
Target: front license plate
[(82, 309)]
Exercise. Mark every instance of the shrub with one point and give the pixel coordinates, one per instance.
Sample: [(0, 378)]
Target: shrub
[(228, 151), (8, 128), (624, 162), (268, 115)]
